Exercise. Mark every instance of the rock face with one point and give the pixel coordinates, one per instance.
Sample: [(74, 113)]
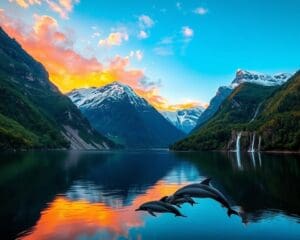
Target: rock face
[(33, 112), (118, 112), (215, 102), (186, 119)]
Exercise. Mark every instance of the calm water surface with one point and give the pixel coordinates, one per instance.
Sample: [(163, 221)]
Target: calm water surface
[(92, 195)]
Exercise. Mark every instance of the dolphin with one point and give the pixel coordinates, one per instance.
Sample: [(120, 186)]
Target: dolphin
[(204, 190), (159, 207), (178, 201)]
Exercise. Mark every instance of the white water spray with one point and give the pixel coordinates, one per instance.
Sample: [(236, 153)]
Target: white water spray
[(259, 143), (238, 139), (252, 150)]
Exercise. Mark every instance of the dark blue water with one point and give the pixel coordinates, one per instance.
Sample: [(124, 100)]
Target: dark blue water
[(92, 195)]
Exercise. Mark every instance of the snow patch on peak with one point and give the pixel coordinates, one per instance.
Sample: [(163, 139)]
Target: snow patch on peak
[(94, 97), (185, 119), (259, 78)]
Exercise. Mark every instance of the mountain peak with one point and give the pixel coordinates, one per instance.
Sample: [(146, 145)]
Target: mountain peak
[(115, 91), (259, 78)]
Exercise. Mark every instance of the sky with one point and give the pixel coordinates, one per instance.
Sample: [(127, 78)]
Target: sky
[(175, 54)]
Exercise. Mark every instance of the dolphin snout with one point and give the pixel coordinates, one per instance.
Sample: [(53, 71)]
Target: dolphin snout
[(137, 209)]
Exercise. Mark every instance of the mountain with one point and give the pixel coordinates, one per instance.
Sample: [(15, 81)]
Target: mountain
[(186, 119), (257, 117), (241, 76), (214, 104), (279, 121), (33, 112), (118, 112)]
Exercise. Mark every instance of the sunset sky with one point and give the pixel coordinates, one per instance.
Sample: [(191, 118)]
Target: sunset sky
[(174, 53)]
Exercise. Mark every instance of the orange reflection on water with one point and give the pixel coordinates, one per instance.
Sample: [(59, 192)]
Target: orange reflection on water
[(67, 219)]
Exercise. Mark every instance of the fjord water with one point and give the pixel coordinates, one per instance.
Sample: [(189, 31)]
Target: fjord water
[(93, 195)]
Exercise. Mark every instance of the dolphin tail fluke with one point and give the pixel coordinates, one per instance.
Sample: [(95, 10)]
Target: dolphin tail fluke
[(230, 211)]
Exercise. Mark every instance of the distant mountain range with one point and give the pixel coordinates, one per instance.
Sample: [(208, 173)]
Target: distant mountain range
[(258, 115), (185, 119), (33, 112), (118, 112)]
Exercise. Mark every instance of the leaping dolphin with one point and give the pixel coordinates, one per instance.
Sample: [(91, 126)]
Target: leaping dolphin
[(159, 207), (178, 201), (204, 190)]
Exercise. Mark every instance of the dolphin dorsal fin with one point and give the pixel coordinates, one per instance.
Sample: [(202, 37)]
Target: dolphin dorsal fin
[(206, 181), (163, 199)]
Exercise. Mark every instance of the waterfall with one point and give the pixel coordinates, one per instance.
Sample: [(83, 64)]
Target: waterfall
[(238, 139), (256, 112), (259, 143), (252, 144)]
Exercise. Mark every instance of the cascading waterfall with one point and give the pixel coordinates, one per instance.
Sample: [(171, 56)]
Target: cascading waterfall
[(238, 139), (259, 143), (256, 112), (237, 149), (252, 150)]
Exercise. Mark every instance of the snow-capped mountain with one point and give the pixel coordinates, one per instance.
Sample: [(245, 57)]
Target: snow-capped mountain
[(185, 119), (118, 112), (95, 97), (259, 78), (241, 76)]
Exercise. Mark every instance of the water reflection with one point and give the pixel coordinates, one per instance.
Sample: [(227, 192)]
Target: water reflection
[(72, 195)]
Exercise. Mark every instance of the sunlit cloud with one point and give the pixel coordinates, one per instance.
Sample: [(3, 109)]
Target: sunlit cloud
[(62, 7), (142, 34), (187, 32), (138, 54), (25, 3), (114, 39), (200, 11), (163, 51), (145, 21), (68, 69)]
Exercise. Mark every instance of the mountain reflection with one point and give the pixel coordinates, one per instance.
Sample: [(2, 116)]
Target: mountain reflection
[(69, 195)]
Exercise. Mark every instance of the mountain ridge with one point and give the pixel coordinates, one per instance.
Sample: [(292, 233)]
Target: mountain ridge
[(268, 117), (35, 113), (118, 112)]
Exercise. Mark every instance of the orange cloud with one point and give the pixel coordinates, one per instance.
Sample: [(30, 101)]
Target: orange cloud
[(26, 3), (62, 7), (68, 69), (114, 39)]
